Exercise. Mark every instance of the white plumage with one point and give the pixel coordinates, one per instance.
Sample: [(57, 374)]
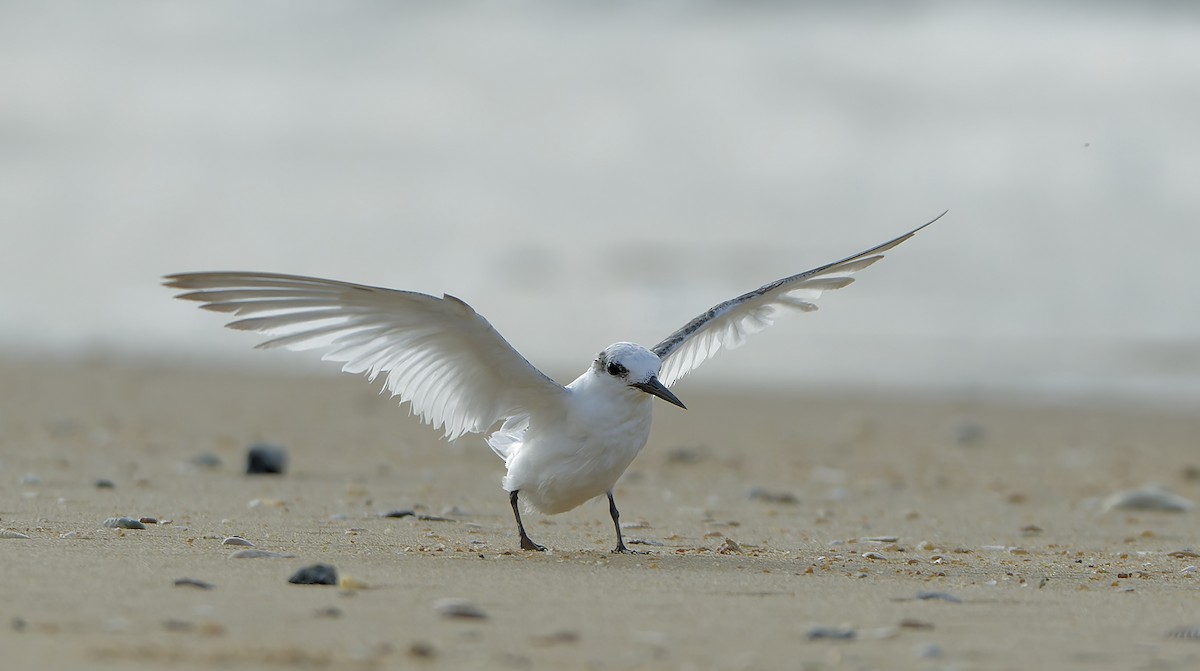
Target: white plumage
[(561, 445)]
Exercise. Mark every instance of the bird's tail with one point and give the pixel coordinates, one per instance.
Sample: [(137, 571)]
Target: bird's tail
[(505, 441)]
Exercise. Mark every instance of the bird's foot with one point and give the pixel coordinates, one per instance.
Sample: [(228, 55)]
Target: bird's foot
[(622, 550), (527, 544)]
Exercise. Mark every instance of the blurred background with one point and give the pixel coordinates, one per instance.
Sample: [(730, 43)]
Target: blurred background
[(583, 173)]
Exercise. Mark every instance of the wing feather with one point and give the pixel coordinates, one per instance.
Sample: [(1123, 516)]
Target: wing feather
[(727, 325), (437, 354)]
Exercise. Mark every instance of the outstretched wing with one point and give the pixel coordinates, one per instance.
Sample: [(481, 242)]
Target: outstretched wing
[(438, 354), (728, 324)]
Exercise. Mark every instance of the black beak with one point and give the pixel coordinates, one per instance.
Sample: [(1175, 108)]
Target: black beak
[(653, 386)]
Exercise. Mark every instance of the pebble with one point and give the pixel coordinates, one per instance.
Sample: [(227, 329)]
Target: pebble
[(398, 513), (331, 612), (873, 555), (259, 554), (422, 649), (882, 539), (729, 546), (263, 459), (237, 540), (16, 535), (834, 633), (938, 596), (30, 479), (1148, 497), (69, 534), (768, 496), (206, 460), (316, 574), (105, 483), (123, 523), (192, 582), (460, 608)]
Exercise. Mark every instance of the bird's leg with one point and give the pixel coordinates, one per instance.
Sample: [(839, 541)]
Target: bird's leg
[(616, 515), (526, 544)]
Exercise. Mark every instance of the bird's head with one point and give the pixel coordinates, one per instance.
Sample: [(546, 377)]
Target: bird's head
[(633, 366)]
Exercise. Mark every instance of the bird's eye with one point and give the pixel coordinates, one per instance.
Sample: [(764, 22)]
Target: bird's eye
[(615, 369)]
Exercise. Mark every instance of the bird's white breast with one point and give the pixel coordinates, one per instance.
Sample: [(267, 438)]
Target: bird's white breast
[(564, 463)]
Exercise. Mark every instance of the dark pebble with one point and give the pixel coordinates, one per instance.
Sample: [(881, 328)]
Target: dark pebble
[(938, 596), (398, 513), (764, 494), (123, 523), (192, 582), (830, 633), (317, 574), (265, 460), (103, 483)]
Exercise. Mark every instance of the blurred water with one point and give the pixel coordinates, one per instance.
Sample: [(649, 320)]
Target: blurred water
[(586, 173)]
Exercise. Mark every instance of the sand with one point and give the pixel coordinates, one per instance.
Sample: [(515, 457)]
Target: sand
[(758, 507)]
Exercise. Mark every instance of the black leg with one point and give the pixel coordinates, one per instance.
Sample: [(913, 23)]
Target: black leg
[(612, 510), (526, 544)]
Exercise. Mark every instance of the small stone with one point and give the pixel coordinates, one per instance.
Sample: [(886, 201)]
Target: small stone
[(265, 459), (259, 554), (1184, 554), (422, 649), (730, 546), (398, 513), (459, 608), (15, 535), (123, 523), (938, 596), (317, 574), (767, 496), (881, 539), (1148, 497), (148, 520), (31, 479), (206, 460), (69, 534), (104, 483), (873, 555), (192, 582), (352, 583), (833, 633), (331, 612), (237, 540)]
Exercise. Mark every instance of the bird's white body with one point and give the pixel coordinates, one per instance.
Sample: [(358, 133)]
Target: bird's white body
[(580, 451), (561, 445)]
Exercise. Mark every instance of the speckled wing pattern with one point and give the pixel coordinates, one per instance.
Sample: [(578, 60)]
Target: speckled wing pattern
[(728, 324), (437, 354)]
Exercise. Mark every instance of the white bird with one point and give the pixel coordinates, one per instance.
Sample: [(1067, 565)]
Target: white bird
[(561, 446)]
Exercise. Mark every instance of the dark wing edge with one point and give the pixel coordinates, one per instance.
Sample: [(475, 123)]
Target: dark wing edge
[(672, 343)]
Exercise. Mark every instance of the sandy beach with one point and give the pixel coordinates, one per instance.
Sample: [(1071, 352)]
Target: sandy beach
[(783, 530)]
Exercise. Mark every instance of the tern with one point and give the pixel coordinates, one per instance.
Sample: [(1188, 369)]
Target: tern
[(561, 445)]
